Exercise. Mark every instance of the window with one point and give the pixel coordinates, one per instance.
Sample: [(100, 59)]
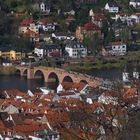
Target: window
[(114, 47)]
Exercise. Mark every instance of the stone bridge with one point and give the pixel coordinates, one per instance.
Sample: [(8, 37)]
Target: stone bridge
[(61, 75)]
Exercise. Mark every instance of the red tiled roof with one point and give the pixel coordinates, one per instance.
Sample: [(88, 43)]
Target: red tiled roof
[(91, 26), (15, 92), (77, 87), (99, 17), (66, 93), (57, 117), (30, 128), (45, 21), (27, 22), (116, 43), (130, 93)]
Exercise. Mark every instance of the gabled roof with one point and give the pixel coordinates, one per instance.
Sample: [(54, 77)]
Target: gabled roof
[(112, 4), (77, 87), (74, 44), (116, 43), (15, 92)]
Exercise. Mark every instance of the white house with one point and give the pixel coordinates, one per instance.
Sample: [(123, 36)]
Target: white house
[(135, 3), (135, 18), (49, 27), (49, 50), (111, 7), (44, 7), (107, 99), (76, 49), (124, 17), (116, 48), (80, 88), (129, 19), (46, 25)]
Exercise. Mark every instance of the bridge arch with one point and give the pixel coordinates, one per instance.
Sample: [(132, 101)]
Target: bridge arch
[(25, 72), (84, 81), (67, 79), (18, 72), (39, 75), (53, 80)]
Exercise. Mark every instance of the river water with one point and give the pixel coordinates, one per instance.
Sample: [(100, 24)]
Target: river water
[(21, 83)]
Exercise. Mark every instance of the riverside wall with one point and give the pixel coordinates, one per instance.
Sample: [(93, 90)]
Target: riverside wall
[(7, 70)]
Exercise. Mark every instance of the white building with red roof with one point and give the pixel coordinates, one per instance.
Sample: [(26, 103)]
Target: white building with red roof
[(79, 88), (116, 48)]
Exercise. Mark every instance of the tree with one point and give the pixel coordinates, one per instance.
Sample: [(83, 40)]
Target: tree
[(104, 29), (132, 129), (110, 37), (72, 26), (92, 43), (124, 35), (82, 15)]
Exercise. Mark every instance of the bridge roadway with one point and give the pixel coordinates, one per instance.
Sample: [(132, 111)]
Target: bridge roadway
[(57, 73)]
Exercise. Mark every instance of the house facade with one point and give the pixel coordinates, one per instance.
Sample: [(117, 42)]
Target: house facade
[(44, 7), (116, 48), (76, 49), (11, 54), (51, 50), (127, 18)]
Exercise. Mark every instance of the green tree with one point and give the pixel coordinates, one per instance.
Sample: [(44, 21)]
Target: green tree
[(110, 37), (92, 43), (105, 28), (124, 36)]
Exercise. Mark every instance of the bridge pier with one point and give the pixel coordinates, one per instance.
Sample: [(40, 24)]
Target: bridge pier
[(30, 73), (21, 73)]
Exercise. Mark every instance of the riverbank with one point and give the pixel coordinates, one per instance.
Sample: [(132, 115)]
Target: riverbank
[(115, 62), (7, 70)]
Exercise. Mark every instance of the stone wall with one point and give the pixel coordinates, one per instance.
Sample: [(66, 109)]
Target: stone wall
[(7, 70)]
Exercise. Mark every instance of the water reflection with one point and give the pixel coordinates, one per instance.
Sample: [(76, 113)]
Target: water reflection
[(21, 83)]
